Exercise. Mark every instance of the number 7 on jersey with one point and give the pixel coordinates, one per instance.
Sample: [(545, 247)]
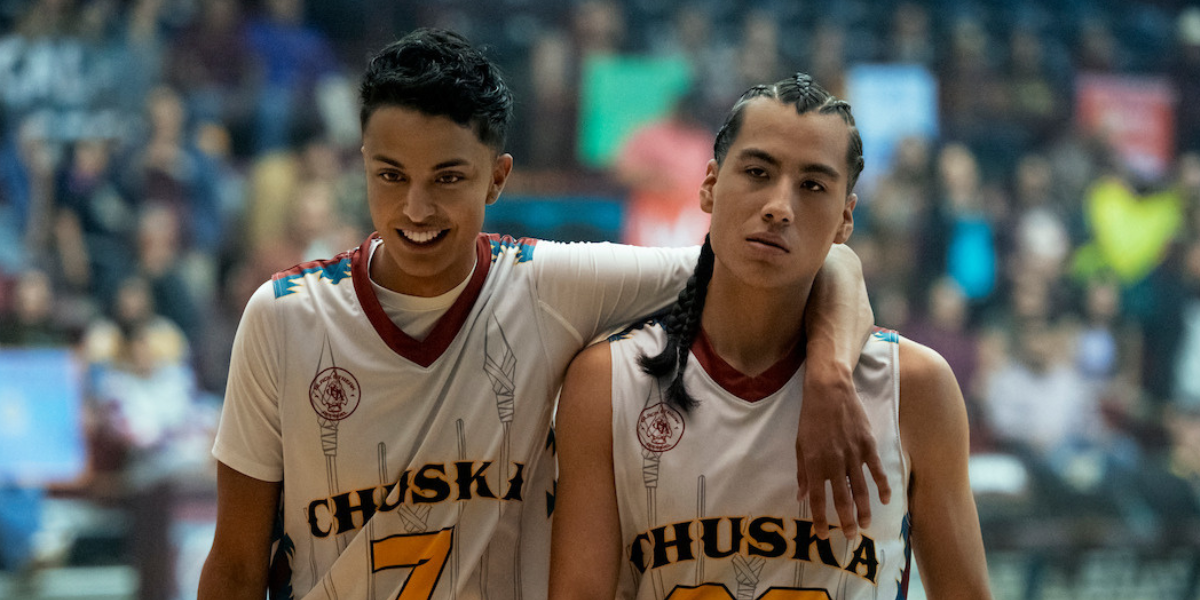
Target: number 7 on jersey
[(425, 553)]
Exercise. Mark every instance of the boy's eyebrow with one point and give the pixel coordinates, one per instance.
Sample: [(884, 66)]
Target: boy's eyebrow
[(762, 155), (454, 162), (767, 157), (383, 159), (821, 169)]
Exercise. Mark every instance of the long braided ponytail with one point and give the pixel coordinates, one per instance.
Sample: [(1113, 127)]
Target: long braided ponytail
[(682, 323)]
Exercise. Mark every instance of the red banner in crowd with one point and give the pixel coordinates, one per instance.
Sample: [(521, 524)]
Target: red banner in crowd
[(1134, 114)]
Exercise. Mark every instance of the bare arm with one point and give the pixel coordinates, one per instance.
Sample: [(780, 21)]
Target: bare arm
[(945, 524), (835, 439), (585, 550), (237, 564)]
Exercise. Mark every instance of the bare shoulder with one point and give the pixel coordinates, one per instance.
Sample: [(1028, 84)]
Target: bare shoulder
[(922, 366), (929, 394), (591, 364), (587, 389)]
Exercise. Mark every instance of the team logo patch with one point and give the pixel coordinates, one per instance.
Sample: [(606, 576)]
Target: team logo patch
[(660, 428), (334, 393)]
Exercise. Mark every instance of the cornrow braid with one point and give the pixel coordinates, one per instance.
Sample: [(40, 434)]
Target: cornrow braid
[(801, 91), (682, 323), (804, 83)]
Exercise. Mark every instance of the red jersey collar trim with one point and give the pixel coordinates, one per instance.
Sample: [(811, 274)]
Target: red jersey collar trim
[(426, 352), (750, 389)]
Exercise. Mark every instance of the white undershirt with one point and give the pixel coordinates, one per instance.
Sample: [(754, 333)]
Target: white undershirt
[(416, 315)]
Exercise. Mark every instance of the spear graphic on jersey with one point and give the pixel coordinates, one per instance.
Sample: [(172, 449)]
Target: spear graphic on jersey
[(659, 428), (381, 450), (334, 394), (500, 364), (456, 565), (748, 572)]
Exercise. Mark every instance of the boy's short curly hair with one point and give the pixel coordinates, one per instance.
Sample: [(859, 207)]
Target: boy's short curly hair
[(439, 73)]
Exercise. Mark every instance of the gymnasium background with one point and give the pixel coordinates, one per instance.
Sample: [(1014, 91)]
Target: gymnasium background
[(1029, 208)]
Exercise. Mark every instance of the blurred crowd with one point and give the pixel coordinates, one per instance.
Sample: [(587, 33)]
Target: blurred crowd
[(161, 158)]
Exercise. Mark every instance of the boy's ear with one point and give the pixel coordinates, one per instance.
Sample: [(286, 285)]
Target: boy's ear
[(500, 172), (847, 225), (706, 188)]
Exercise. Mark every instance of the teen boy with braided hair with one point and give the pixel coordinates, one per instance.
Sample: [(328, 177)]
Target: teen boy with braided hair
[(674, 436), (392, 405)]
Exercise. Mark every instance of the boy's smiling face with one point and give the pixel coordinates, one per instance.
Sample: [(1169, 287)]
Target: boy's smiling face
[(428, 182)]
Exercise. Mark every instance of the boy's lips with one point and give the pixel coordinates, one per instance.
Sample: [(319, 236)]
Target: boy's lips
[(769, 239), (422, 237)]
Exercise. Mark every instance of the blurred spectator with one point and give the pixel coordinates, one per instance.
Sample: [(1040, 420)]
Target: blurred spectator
[(1188, 180), (1171, 484), (960, 237), (911, 38), (95, 223), (1186, 364), (295, 58), (1037, 398), (211, 64), (1040, 408), (663, 164), (1041, 222), (594, 28), (148, 405), (1097, 50), (106, 337), (970, 85), (138, 50), (27, 169), (31, 318), (1108, 348), (828, 57), (214, 151), (900, 205), (944, 327), (694, 37), (757, 52), (1098, 352), (171, 277), (1184, 68), (314, 226), (1038, 95), (166, 169), (1076, 160), (297, 198)]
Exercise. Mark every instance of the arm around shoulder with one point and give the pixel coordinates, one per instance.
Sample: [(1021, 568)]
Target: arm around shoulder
[(945, 524), (586, 541), (598, 287), (835, 438)]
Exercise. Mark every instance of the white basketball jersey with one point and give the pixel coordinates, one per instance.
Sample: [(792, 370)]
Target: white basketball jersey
[(708, 498), (421, 469)]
